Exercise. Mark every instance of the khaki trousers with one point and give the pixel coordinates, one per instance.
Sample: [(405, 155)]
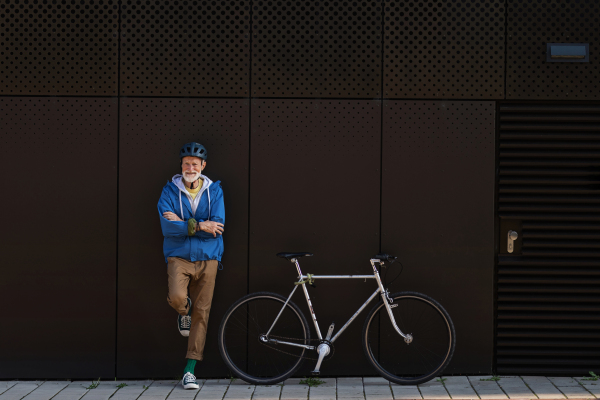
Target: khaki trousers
[(199, 278)]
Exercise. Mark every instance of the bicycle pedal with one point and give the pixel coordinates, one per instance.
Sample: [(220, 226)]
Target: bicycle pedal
[(393, 305), (315, 372)]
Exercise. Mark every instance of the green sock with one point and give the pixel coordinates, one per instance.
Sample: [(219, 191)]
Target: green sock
[(191, 364)]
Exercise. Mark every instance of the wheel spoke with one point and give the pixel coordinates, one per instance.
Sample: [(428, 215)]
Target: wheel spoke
[(251, 359), (430, 350)]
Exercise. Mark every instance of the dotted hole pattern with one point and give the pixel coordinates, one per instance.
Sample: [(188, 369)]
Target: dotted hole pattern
[(152, 125), (534, 23), (66, 124), (185, 48), (317, 127), (449, 49), (316, 49), (58, 47), (423, 126)]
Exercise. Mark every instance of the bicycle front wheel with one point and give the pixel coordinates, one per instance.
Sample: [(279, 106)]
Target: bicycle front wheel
[(242, 327), (429, 352)]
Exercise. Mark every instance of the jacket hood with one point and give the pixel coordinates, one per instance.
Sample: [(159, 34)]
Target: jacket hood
[(177, 180)]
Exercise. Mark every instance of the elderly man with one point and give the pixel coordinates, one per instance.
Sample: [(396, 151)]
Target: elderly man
[(192, 215)]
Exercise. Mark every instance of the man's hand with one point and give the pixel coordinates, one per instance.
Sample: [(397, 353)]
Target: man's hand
[(210, 227), (171, 216)]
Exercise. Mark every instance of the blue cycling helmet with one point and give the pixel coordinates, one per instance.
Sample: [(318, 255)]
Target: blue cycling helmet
[(193, 149)]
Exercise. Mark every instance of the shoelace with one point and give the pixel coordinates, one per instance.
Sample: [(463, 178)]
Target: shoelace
[(186, 322), (189, 377)]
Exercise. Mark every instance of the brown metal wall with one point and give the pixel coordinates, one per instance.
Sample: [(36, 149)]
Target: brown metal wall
[(301, 105)]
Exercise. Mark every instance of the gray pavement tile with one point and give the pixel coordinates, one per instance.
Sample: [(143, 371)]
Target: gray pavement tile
[(482, 382), (563, 381), (432, 383), (487, 389), (405, 392), (370, 381), (47, 390), (20, 390), (378, 392), (592, 386), (294, 392), (433, 392), (236, 382), (221, 382), (460, 388), (74, 391), (238, 392), (515, 388), (159, 389), (351, 392), (102, 392), (379, 389), (129, 392), (491, 394), (542, 387), (327, 382), (320, 392), (269, 392), (5, 385), (294, 381), (213, 391), (535, 378), (343, 382), (456, 380), (575, 392)]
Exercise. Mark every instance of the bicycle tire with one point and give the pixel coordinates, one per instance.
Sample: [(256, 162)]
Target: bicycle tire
[(245, 355), (433, 344)]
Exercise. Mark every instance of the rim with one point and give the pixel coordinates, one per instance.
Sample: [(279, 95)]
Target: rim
[(439, 366), (243, 374)]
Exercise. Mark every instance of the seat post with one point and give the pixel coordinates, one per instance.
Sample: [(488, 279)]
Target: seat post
[(295, 261)]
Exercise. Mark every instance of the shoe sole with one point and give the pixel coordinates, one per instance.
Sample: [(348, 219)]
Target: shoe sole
[(185, 333), (191, 386)]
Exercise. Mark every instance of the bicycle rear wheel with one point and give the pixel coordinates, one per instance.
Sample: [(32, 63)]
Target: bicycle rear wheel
[(239, 338), (433, 339)]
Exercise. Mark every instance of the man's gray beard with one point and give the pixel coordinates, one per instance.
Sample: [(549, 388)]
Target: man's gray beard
[(194, 178)]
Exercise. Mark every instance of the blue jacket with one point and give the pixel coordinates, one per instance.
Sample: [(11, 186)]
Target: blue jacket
[(208, 205)]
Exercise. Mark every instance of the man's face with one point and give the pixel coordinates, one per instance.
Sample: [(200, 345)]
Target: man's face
[(191, 168)]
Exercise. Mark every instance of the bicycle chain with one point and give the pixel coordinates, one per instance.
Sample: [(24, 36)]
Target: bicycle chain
[(332, 349)]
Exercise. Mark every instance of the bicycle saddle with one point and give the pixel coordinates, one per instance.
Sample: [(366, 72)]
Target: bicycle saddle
[(385, 257), (289, 256)]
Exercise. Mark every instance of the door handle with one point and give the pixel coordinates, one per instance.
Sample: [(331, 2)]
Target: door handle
[(512, 236)]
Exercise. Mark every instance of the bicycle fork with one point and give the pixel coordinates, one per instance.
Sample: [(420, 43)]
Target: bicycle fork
[(388, 303)]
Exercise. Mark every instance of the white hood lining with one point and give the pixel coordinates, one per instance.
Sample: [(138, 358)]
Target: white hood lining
[(178, 181)]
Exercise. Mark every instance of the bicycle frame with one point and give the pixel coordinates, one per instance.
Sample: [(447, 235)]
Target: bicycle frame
[(387, 301)]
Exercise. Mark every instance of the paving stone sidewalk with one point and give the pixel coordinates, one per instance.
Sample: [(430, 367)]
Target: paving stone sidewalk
[(450, 387)]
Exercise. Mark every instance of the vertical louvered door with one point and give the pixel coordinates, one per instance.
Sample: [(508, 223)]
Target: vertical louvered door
[(548, 306)]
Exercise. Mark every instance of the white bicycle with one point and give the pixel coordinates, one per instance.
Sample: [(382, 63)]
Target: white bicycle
[(408, 337)]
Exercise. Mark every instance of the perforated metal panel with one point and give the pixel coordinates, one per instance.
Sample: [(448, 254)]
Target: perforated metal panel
[(185, 48), (445, 49), (315, 187), (58, 47), (152, 132), (438, 214), (549, 287), (59, 172), (532, 24), (316, 49)]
